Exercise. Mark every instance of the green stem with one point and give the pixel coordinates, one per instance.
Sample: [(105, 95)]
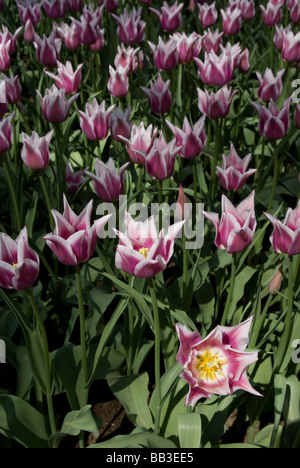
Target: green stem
[(260, 321), (275, 177), (60, 166), (185, 263), (284, 341), (40, 325), (231, 289), (218, 138), (47, 199), (195, 181), (156, 354), (12, 191), (261, 166), (160, 200)]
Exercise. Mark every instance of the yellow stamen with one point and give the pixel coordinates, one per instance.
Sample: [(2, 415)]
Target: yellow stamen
[(144, 251), (15, 265), (210, 365)]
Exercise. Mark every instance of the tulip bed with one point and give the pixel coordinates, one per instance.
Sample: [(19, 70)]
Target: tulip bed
[(185, 319)]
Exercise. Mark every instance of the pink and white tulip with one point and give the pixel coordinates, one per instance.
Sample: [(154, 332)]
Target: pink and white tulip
[(270, 86), (165, 55), (160, 160), (291, 46), (118, 83), (6, 133), (273, 123), (140, 142), (47, 49), (94, 121), (216, 364), (159, 95), (169, 16), (131, 28), (234, 172), (231, 21), (235, 231), (272, 14), (120, 124), (286, 235), (35, 150), (66, 77), (191, 139), (215, 105), (216, 69), (55, 106)]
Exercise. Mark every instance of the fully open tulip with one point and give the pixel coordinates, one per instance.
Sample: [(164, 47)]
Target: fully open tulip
[(233, 173), (215, 105), (286, 235), (6, 132), (235, 231), (67, 78), (94, 121), (74, 239), (159, 95), (35, 150), (140, 142), (141, 251), (273, 123), (191, 140), (216, 364), (107, 181), (161, 158), (169, 16), (19, 264), (55, 106), (270, 86)]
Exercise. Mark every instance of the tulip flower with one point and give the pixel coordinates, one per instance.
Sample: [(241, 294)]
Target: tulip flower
[(273, 123), (159, 95), (286, 235), (216, 364), (87, 29), (191, 140), (35, 150), (140, 142), (74, 238), (231, 21), (74, 180), (75, 5), (272, 14), (29, 11), (233, 173), (29, 32), (109, 5), (94, 121), (5, 62), (131, 28), (55, 9), (182, 210), (216, 69), (188, 47), (9, 39), (141, 251), (6, 132), (3, 99), (278, 36), (160, 160), (127, 58), (235, 231), (47, 49), (55, 106), (108, 183), (291, 46), (295, 13), (67, 78), (118, 83), (19, 264), (165, 55), (208, 14), (212, 41), (169, 16), (69, 35), (247, 8), (275, 284), (215, 105), (270, 86), (120, 124)]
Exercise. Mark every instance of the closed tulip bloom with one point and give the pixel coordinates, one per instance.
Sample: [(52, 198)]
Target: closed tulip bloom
[(188, 47), (118, 83), (55, 9), (161, 158), (159, 95), (74, 238), (87, 29), (216, 69), (286, 235), (29, 11), (272, 14), (234, 172), (131, 28), (247, 8), (47, 49), (169, 16), (235, 231), (182, 210), (75, 5), (165, 55), (274, 285), (5, 62), (120, 124), (273, 123), (215, 105), (211, 41), (35, 150), (66, 77), (140, 142), (9, 39), (29, 32), (291, 46), (270, 86), (108, 182), (55, 106), (231, 21), (127, 58), (216, 364), (74, 179), (208, 14), (191, 139), (94, 121), (295, 13), (141, 251), (19, 264), (69, 35), (6, 132), (278, 36)]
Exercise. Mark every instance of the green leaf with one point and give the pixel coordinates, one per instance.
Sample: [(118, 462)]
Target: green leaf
[(189, 430), (23, 423), (142, 439), (132, 392), (81, 420)]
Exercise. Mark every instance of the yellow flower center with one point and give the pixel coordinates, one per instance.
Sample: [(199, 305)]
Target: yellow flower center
[(210, 365), (15, 265), (144, 251)]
